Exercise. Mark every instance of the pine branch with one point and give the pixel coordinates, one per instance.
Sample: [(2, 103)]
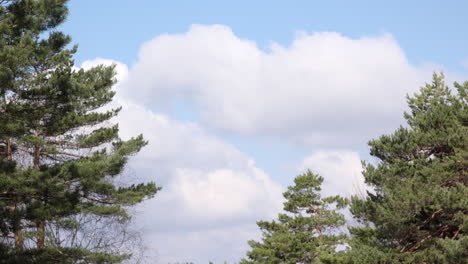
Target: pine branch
[(100, 201), (457, 232), (64, 143), (439, 231), (430, 218), (7, 236), (461, 178), (64, 154)]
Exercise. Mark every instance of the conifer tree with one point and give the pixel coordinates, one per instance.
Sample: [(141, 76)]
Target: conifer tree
[(307, 233), (65, 153), (20, 21), (419, 210)]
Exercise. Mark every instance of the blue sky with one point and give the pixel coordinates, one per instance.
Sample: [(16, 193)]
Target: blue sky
[(427, 30), (236, 101)]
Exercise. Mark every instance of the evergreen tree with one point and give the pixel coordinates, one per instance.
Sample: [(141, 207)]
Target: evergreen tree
[(419, 210), (20, 21), (65, 153), (307, 233)]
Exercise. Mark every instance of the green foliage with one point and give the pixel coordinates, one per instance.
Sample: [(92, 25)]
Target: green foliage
[(58, 255), (307, 232), (57, 158), (419, 211)]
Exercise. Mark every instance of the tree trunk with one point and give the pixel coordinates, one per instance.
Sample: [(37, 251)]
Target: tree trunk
[(9, 157), (17, 234), (40, 224), (40, 235)]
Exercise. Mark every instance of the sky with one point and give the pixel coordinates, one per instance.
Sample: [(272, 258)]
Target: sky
[(237, 98)]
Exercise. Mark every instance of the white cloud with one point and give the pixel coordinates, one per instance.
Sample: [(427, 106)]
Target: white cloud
[(212, 193), (209, 188), (341, 170), (324, 89), (225, 193), (120, 68), (203, 245), (204, 176)]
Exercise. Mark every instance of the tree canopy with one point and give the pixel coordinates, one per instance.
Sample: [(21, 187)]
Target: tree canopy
[(308, 232), (59, 152), (419, 210), (60, 155)]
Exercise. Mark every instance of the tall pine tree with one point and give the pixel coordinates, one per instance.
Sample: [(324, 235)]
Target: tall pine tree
[(65, 153), (419, 211), (307, 233), (20, 21)]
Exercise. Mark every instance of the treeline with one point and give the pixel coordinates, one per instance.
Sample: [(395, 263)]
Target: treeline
[(59, 152), (415, 212)]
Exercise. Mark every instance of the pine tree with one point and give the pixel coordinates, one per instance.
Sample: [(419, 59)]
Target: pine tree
[(309, 230), (66, 155), (20, 21), (419, 210)]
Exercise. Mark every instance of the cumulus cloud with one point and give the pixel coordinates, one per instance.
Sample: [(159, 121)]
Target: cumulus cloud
[(121, 69), (199, 246), (204, 176), (341, 170), (324, 89), (225, 193), (210, 188)]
